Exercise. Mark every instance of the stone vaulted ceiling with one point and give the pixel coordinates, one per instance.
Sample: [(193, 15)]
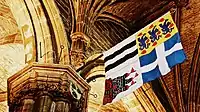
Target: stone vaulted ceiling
[(106, 23)]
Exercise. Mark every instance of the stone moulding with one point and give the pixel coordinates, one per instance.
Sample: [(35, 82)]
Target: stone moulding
[(54, 80)]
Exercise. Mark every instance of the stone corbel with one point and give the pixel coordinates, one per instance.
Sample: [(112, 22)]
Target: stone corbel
[(80, 43)]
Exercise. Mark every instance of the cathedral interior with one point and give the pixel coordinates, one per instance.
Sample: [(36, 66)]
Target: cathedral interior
[(50, 55)]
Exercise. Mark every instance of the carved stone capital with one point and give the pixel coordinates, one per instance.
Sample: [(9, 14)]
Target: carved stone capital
[(79, 35)]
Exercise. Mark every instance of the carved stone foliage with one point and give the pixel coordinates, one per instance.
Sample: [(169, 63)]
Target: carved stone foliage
[(39, 81)]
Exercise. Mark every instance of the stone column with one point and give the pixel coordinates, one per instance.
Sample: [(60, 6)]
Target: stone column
[(62, 106), (43, 104), (37, 86)]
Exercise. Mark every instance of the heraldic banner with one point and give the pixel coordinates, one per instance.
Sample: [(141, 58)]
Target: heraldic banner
[(144, 56)]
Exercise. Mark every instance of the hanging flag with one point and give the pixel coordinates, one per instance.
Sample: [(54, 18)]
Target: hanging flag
[(142, 57)]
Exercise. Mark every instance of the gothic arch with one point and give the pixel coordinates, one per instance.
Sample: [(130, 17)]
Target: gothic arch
[(42, 29), (193, 99)]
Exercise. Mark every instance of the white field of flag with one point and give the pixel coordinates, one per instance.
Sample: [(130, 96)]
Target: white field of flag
[(125, 66)]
